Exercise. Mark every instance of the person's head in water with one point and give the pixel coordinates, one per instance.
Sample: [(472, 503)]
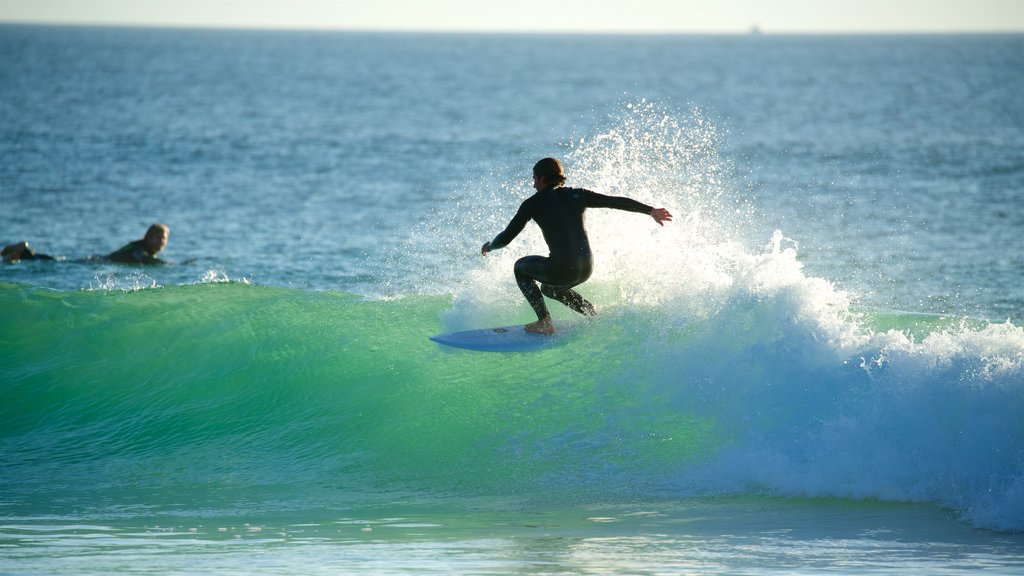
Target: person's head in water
[(15, 252), (156, 238), (548, 173)]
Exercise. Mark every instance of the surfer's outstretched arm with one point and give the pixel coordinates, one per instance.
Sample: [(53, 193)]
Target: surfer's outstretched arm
[(595, 200)]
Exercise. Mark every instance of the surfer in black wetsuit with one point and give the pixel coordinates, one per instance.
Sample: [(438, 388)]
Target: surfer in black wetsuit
[(559, 213), (142, 251)]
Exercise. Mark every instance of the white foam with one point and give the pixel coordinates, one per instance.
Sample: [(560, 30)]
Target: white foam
[(809, 398)]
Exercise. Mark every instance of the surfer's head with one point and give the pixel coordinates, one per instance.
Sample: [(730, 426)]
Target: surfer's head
[(550, 171), (156, 238), (15, 252)]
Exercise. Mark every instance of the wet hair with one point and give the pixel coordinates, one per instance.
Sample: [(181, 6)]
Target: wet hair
[(551, 170), (157, 228), (16, 251)]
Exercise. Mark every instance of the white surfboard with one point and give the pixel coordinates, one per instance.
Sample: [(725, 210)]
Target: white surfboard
[(502, 339)]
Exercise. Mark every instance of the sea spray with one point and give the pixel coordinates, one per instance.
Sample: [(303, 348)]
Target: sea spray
[(807, 392), (645, 152), (810, 394)]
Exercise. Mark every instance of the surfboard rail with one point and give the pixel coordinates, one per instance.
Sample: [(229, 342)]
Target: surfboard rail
[(498, 339)]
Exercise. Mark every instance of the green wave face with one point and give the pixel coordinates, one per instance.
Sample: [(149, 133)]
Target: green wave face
[(229, 390), (229, 397)]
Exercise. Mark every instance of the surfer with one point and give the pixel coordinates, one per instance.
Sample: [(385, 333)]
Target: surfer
[(21, 251), (143, 251), (559, 213)]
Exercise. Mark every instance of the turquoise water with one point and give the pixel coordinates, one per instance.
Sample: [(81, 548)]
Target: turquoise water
[(818, 366), (195, 426)]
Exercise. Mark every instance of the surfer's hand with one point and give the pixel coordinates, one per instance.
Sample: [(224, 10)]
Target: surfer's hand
[(486, 248), (661, 216)]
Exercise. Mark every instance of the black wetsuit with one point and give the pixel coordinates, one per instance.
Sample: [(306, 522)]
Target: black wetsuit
[(28, 254), (559, 213), (136, 252), (33, 255)]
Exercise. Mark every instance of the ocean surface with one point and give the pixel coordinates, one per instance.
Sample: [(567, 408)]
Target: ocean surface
[(818, 366)]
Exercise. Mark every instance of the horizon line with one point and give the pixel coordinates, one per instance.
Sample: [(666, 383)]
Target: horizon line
[(753, 30)]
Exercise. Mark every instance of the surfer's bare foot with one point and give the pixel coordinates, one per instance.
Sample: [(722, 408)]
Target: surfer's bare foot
[(543, 326)]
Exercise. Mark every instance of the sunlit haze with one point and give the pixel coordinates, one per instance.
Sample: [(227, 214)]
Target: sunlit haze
[(579, 16)]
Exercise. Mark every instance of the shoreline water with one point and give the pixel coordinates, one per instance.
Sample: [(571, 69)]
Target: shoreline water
[(731, 536)]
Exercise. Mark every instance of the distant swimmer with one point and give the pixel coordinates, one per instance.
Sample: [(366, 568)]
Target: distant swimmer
[(21, 251), (143, 251), (559, 213)]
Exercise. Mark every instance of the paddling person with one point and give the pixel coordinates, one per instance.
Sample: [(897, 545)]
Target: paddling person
[(21, 251), (559, 213), (143, 251)]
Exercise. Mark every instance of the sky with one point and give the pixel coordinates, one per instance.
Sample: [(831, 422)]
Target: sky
[(576, 16)]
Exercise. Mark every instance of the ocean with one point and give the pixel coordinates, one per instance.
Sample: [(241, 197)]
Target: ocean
[(817, 366)]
